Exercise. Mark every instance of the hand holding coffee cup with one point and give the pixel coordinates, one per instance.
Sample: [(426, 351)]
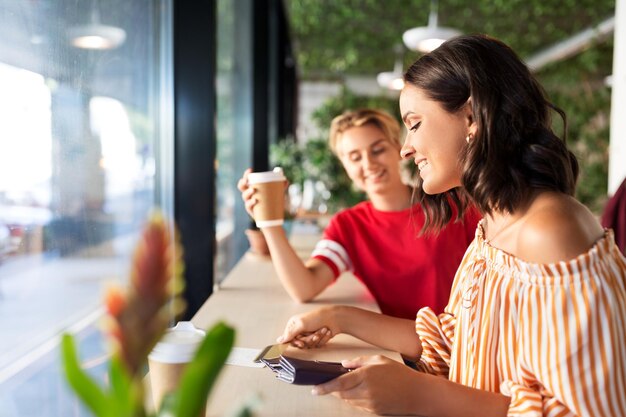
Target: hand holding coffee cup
[(269, 193)]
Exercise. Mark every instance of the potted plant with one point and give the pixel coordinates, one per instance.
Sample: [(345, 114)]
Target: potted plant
[(136, 320), (258, 245)]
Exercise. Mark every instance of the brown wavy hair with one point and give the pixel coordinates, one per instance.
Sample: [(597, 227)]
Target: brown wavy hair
[(515, 151)]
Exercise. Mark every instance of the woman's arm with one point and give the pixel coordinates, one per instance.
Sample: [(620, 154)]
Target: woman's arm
[(301, 281), (383, 386), (387, 332)]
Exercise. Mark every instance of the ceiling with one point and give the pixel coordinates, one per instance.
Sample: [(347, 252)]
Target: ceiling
[(337, 38)]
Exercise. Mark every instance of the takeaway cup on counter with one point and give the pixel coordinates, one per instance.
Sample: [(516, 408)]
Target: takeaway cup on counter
[(167, 360)]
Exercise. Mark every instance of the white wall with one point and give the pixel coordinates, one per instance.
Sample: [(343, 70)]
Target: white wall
[(312, 94)]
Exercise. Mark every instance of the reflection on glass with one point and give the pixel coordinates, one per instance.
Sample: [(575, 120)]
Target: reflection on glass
[(79, 138), (234, 131)]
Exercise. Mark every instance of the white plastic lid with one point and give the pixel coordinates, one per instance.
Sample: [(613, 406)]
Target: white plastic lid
[(178, 344), (267, 176)]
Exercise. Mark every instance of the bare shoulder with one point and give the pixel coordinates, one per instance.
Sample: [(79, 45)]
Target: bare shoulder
[(556, 227)]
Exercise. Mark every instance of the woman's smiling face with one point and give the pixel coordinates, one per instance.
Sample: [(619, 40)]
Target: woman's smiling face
[(435, 139), (370, 159)]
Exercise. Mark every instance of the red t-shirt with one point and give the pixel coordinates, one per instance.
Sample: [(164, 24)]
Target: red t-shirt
[(402, 270)]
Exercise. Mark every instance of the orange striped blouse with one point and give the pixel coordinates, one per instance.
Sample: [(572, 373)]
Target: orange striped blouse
[(552, 337)]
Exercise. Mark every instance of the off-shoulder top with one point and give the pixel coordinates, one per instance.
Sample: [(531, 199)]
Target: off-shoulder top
[(550, 336)]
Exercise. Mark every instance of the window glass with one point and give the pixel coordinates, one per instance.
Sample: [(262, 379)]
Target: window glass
[(234, 129), (85, 151)]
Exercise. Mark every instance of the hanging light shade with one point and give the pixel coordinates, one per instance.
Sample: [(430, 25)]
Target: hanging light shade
[(390, 79), (427, 38), (393, 80), (95, 35)]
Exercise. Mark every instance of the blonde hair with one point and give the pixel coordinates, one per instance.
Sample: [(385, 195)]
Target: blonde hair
[(361, 117)]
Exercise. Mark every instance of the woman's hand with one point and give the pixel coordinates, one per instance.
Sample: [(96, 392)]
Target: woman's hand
[(247, 192), (376, 384), (313, 329), (315, 339)]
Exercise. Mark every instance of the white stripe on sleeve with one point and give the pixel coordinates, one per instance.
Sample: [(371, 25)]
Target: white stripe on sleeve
[(335, 252)]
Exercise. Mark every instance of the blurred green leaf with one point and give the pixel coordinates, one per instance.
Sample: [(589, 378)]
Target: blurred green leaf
[(128, 393), (87, 390), (200, 374), (125, 398)]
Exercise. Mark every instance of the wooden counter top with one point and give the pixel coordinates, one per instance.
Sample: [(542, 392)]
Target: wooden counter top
[(252, 300)]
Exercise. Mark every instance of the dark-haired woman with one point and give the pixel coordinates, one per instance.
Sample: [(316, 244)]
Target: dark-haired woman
[(536, 321)]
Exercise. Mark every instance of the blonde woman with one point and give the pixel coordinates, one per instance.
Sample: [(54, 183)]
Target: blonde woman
[(379, 239)]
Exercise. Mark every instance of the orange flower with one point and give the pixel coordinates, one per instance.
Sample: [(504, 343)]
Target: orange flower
[(114, 301), (139, 318)]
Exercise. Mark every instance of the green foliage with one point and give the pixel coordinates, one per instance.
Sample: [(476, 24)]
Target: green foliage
[(336, 39), (577, 86), (287, 154), (124, 397), (347, 100)]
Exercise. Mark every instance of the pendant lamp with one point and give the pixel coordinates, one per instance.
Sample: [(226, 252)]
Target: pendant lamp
[(393, 80), (95, 35), (427, 38)]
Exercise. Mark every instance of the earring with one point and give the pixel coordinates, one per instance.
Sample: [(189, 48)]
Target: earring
[(468, 138)]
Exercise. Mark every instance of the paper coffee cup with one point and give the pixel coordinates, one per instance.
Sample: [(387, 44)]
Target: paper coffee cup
[(270, 195), (167, 360)]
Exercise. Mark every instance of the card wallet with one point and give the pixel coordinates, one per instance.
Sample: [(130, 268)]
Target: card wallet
[(304, 372), (272, 363)]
